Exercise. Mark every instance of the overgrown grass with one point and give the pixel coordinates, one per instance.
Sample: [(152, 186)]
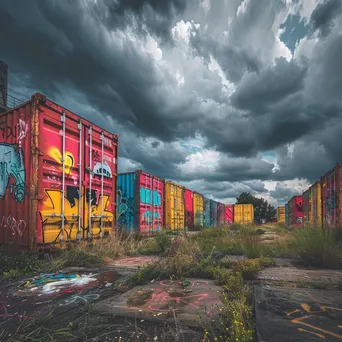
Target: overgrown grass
[(18, 265), (316, 247)]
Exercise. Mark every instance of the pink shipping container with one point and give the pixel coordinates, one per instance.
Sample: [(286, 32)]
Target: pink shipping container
[(58, 175), (229, 214), (189, 209), (220, 214), (331, 184)]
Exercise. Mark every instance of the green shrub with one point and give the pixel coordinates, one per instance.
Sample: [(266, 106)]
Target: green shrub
[(316, 247)]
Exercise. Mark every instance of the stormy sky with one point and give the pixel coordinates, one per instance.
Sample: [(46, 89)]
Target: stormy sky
[(222, 96)]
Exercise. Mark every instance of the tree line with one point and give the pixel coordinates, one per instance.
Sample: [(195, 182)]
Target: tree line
[(262, 209)]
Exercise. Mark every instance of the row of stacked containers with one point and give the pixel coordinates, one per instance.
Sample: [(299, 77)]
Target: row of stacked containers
[(147, 203), (320, 205)]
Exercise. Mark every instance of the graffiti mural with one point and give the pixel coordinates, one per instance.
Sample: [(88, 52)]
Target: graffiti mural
[(125, 210), (100, 168), (16, 226), (12, 166)]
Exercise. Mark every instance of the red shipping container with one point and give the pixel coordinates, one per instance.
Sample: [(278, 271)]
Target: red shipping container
[(220, 214), (58, 175), (189, 209), (331, 184), (229, 214), (296, 211)]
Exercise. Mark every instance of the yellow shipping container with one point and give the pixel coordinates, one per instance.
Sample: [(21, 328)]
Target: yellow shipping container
[(174, 206), (281, 214), (198, 209), (243, 213)]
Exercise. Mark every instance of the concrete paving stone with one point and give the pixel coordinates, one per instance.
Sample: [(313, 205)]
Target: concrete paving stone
[(167, 301), (295, 274), (134, 262), (297, 315)]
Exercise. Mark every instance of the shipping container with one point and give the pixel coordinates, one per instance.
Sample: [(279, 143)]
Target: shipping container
[(206, 216), (58, 176), (287, 214), (220, 214), (189, 210), (229, 214), (296, 211), (281, 214), (307, 207), (213, 213), (332, 197), (199, 209), (140, 202), (317, 204), (174, 206), (243, 213)]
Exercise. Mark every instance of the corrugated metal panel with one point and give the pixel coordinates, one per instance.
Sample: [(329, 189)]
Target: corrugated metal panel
[(150, 202), (287, 214), (281, 214), (126, 209), (220, 214), (243, 213), (189, 209), (199, 209), (229, 214), (332, 197), (206, 212), (174, 206), (306, 207), (213, 213), (317, 204), (63, 175)]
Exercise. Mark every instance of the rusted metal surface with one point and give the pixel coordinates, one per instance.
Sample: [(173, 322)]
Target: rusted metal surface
[(243, 213), (59, 176), (332, 197)]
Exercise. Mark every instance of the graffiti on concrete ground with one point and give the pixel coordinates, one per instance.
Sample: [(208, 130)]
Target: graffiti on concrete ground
[(83, 299), (309, 315), (12, 167), (17, 227)]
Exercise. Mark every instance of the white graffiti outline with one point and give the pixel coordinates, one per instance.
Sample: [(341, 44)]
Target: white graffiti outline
[(16, 226), (84, 298), (23, 129)]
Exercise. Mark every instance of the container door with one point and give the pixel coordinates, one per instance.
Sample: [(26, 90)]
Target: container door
[(99, 181), (60, 175)]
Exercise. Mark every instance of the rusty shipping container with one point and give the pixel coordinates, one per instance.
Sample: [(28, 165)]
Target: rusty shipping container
[(229, 214), (317, 205), (243, 213), (206, 213), (307, 207), (189, 209), (295, 206), (140, 202), (281, 214), (287, 214), (220, 214), (213, 213), (332, 197), (198, 209), (174, 206), (58, 175)]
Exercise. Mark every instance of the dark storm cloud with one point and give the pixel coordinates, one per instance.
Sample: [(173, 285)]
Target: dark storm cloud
[(155, 144), (257, 91), (282, 193), (322, 18)]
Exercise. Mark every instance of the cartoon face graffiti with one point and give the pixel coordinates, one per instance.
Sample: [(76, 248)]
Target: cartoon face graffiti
[(12, 165)]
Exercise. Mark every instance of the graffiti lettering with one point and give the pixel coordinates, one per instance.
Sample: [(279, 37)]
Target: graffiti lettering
[(16, 226), (79, 298), (102, 169), (7, 131), (53, 178), (125, 210), (23, 128), (12, 166)]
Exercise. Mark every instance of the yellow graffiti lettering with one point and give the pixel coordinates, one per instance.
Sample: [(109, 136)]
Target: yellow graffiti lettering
[(56, 155)]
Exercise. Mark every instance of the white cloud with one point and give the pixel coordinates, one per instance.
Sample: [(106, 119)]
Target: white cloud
[(206, 4), (242, 7)]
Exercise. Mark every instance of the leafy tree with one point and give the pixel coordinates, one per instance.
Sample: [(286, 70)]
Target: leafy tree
[(262, 209)]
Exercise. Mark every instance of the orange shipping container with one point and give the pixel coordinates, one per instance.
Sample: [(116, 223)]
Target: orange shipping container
[(174, 206), (243, 213)]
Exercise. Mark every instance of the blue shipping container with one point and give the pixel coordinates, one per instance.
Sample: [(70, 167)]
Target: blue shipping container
[(126, 201), (213, 213), (206, 213)]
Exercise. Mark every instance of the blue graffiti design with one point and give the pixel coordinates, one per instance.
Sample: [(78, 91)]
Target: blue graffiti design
[(145, 196), (12, 165)]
